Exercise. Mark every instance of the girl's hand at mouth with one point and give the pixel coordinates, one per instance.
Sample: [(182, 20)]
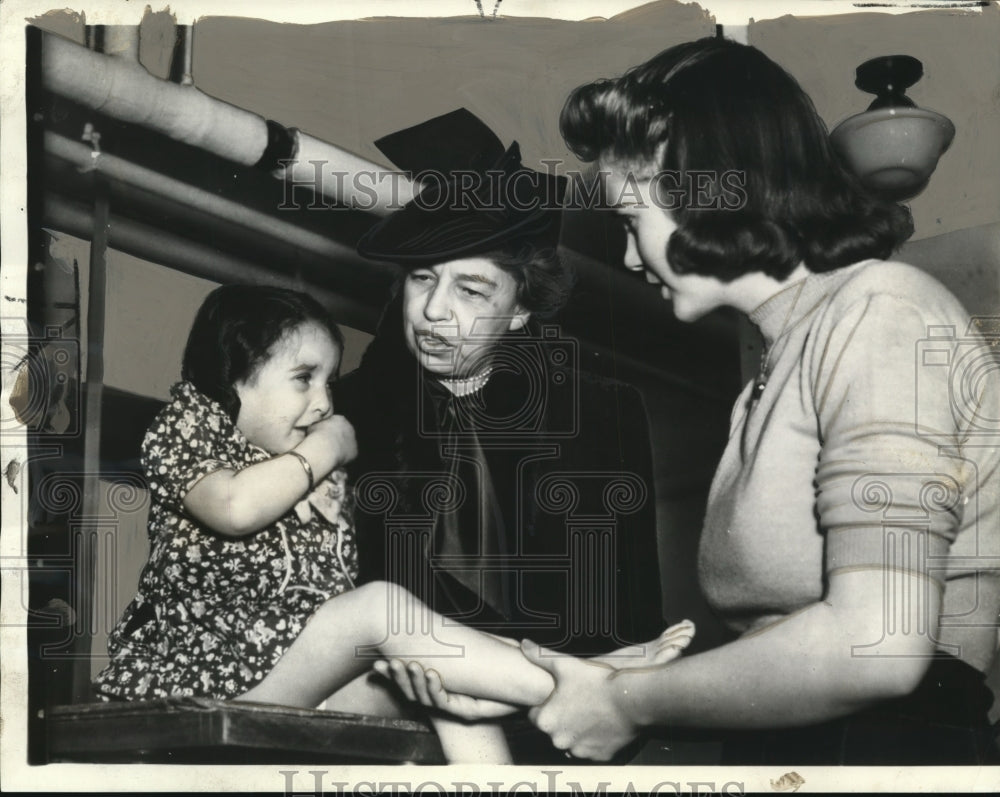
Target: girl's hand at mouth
[(330, 443)]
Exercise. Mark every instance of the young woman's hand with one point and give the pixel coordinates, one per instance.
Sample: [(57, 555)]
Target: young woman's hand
[(581, 715), (425, 687), (329, 444)]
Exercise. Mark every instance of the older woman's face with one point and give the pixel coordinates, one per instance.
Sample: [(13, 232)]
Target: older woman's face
[(454, 313), (648, 227)]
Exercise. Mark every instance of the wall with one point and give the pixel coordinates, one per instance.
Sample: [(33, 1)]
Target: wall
[(967, 261), (961, 80)]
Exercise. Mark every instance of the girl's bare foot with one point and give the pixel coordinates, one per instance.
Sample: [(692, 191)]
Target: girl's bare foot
[(665, 648)]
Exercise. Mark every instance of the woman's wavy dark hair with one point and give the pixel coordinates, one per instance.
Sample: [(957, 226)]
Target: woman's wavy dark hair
[(726, 110), (236, 329)]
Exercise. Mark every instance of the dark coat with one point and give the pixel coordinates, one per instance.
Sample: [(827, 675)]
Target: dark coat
[(570, 466)]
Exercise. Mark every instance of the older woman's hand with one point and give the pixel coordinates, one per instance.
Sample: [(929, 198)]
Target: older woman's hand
[(581, 715), (425, 687)]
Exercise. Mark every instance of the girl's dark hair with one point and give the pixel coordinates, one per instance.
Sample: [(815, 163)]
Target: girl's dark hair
[(544, 281), (775, 193), (235, 330)]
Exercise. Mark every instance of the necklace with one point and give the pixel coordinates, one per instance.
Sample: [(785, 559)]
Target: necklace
[(496, 7), (764, 372), (469, 384)]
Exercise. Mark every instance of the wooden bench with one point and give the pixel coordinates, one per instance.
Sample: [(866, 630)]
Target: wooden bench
[(199, 730)]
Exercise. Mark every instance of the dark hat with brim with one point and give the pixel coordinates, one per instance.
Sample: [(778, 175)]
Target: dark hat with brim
[(475, 196)]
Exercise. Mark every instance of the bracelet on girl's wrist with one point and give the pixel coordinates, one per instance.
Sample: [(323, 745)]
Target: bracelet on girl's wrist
[(306, 467)]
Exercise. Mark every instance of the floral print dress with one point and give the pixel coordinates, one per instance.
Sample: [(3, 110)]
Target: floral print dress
[(213, 614)]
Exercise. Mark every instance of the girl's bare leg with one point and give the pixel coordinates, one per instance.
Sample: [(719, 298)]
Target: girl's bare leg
[(374, 696), (425, 685), (477, 743), (461, 742), (348, 633)]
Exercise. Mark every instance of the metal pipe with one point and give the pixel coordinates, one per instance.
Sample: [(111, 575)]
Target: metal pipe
[(126, 92), (349, 178), (180, 67), (85, 158), (121, 41), (164, 248), (94, 387)]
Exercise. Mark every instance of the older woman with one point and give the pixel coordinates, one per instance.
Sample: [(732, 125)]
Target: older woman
[(852, 500), (465, 384)]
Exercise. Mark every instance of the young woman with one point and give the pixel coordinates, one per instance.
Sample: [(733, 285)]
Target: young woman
[(853, 499)]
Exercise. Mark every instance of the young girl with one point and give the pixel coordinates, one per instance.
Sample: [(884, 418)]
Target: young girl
[(233, 572), (251, 538)]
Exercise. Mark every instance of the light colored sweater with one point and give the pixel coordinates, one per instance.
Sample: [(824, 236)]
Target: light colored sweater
[(874, 443)]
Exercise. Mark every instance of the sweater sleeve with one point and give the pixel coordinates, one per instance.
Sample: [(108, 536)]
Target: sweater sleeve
[(888, 494)]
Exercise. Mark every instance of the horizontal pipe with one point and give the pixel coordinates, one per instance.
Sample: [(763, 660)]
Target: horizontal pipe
[(126, 92), (164, 248), (346, 177), (82, 156)]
